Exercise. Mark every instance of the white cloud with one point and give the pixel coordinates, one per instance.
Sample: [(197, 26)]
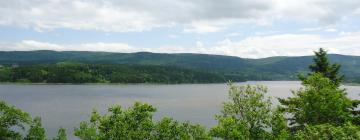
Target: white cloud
[(80, 15), (320, 28), (123, 15), (325, 12), (330, 30), (250, 47), (196, 16), (288, 45), (201, 27), (28, 45)]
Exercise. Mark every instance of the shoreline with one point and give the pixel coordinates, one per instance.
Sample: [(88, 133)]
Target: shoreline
[(15, 83), (123, 84), (18, 83)]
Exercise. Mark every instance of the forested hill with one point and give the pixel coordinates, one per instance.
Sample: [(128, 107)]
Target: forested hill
[(236, 68), (73, 72)]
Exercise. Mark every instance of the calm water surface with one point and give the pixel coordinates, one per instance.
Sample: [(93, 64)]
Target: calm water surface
[(68, 105)]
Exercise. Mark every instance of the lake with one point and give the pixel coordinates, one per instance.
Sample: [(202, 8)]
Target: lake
[(68, 105)]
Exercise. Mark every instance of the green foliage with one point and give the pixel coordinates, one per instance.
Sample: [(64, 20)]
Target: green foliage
[(28, 74), (230, 128), (319, 102), (328, 132), (318, 110), (167, 129), (322, 65), (5, 74), (36, 131), (136, 123), (67, 72), (13, 122), (232, 68), (12, 117), (87, 131), (22, 81), (279, 125), (61, 135), (248, 115)]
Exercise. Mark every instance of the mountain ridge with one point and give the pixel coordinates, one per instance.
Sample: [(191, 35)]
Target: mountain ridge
[(270, 68)]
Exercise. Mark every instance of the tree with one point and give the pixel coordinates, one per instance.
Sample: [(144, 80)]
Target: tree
[(248, 115), (36, 131), (10, 118), (315, 103), (320, 101), (230, 128), (136, 123), (168, 128), (328, 132), (279, 125), (61, 134), (87, 131), (5, 74), (322, 65)]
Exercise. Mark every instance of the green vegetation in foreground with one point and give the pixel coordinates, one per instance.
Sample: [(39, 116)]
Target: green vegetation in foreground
[(70, 72), (318, 111)]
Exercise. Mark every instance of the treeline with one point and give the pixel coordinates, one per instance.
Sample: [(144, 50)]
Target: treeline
[(71, 72), (234, 68), (320, 110)]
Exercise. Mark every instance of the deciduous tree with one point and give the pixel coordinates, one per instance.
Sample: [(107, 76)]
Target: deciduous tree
[(10, 118)]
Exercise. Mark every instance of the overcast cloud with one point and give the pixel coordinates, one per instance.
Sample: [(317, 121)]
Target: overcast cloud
[(139, 15), (189, 17)]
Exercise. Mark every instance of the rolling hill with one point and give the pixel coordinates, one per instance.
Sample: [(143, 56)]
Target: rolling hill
[(233, 68)]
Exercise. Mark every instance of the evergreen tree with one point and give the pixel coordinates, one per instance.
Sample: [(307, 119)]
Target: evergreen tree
[(322, 65), (321, 100)]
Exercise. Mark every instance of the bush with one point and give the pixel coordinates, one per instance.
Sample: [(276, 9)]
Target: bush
[(319, 102), (136, 123), (248, 115), (329, 132)]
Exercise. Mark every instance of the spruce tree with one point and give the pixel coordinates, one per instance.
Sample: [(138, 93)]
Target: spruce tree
[(331, 71), (322, 65), (321, 100)]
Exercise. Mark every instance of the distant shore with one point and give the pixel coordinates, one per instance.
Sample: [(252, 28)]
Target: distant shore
[(19, 83)]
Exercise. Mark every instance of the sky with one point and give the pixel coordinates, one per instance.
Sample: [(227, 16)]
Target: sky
[(243, 28)]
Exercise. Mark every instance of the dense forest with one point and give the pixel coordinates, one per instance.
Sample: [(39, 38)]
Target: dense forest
[(232, 68), (320, 110), (71, 72)]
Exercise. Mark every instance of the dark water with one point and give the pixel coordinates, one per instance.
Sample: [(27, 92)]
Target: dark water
[(67, 105)]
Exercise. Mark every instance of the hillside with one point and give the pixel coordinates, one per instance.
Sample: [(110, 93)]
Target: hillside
[(70, 72), (233, 68)]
